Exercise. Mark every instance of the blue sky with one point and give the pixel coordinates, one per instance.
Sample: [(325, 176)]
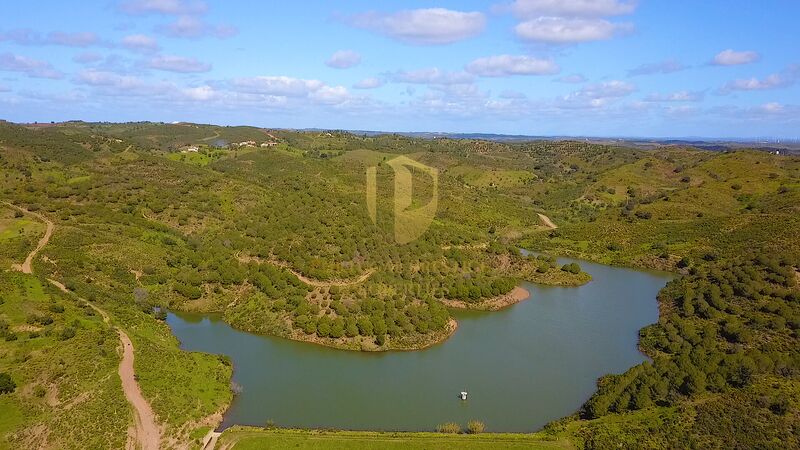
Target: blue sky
[(724, 68)]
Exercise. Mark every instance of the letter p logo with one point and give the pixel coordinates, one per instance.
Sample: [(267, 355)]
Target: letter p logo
[(409, 224)]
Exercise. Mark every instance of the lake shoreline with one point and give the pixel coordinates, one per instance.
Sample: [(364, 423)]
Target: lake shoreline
[(626, 296), (364, 346), (516, 295)]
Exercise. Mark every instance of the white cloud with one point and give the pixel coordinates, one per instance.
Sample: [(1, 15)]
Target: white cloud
[(344, 59), (773, 107), (79, 39), (199, 93), (663, 67), (276, 85), (433, 26), (192, 28), (560, 30), (432, 76), (571, 8), (369, 83), (87, 58), (114, 84), (140, 43), (731, 57), (777, 80), (31, 67), (506, 65), (178, 64), (283, 87), (754, 84), (597, 95), (330, 95), (29, 37), (167, 7), (568, 21), (680, 96)]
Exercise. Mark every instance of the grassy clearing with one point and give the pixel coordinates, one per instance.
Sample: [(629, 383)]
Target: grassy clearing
[(18, 236), (252, 439), (195, 158)]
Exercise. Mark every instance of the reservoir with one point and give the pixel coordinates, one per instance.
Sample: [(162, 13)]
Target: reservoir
[(523, 366)]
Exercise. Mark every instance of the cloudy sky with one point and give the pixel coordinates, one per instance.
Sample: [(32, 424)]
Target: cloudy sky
[(716, 68)]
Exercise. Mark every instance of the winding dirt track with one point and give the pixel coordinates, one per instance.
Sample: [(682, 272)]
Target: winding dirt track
[(547, 222), (147, 432), (309, 281), (317, 283), (27, 265)]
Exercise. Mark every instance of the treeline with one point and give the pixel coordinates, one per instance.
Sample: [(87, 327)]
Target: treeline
[(725, 325)]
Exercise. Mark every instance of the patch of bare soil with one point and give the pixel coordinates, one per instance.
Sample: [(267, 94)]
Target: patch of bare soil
[(516, 295), (148, 434), (547, 222)]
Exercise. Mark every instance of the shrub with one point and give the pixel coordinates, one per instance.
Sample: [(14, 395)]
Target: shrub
[(449, 428), (67, 333), (475, 427), (7, 385)]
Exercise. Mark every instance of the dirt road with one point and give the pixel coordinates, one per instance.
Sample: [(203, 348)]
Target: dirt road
[(547, 222), (27, 265), (309, 281), (146, 431), (148, 434)]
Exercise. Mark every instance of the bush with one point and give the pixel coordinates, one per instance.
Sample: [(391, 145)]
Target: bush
[(7, 385), (67, 333), (475, 427), (449, 428)]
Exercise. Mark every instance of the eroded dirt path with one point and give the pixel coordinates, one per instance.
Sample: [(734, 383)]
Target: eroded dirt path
[(103, 314), (309, 281), (547, 222), (148, 434), (27, 265), (146, 431)]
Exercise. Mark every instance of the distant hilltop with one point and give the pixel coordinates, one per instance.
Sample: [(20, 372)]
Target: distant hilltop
[(772, 145)]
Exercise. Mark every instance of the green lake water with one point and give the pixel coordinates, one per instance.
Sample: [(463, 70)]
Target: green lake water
[(524, 366)]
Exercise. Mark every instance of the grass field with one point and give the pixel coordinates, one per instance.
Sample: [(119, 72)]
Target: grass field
[(252, 439)]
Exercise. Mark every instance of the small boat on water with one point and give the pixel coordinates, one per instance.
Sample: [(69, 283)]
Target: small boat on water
[(463, 395)]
